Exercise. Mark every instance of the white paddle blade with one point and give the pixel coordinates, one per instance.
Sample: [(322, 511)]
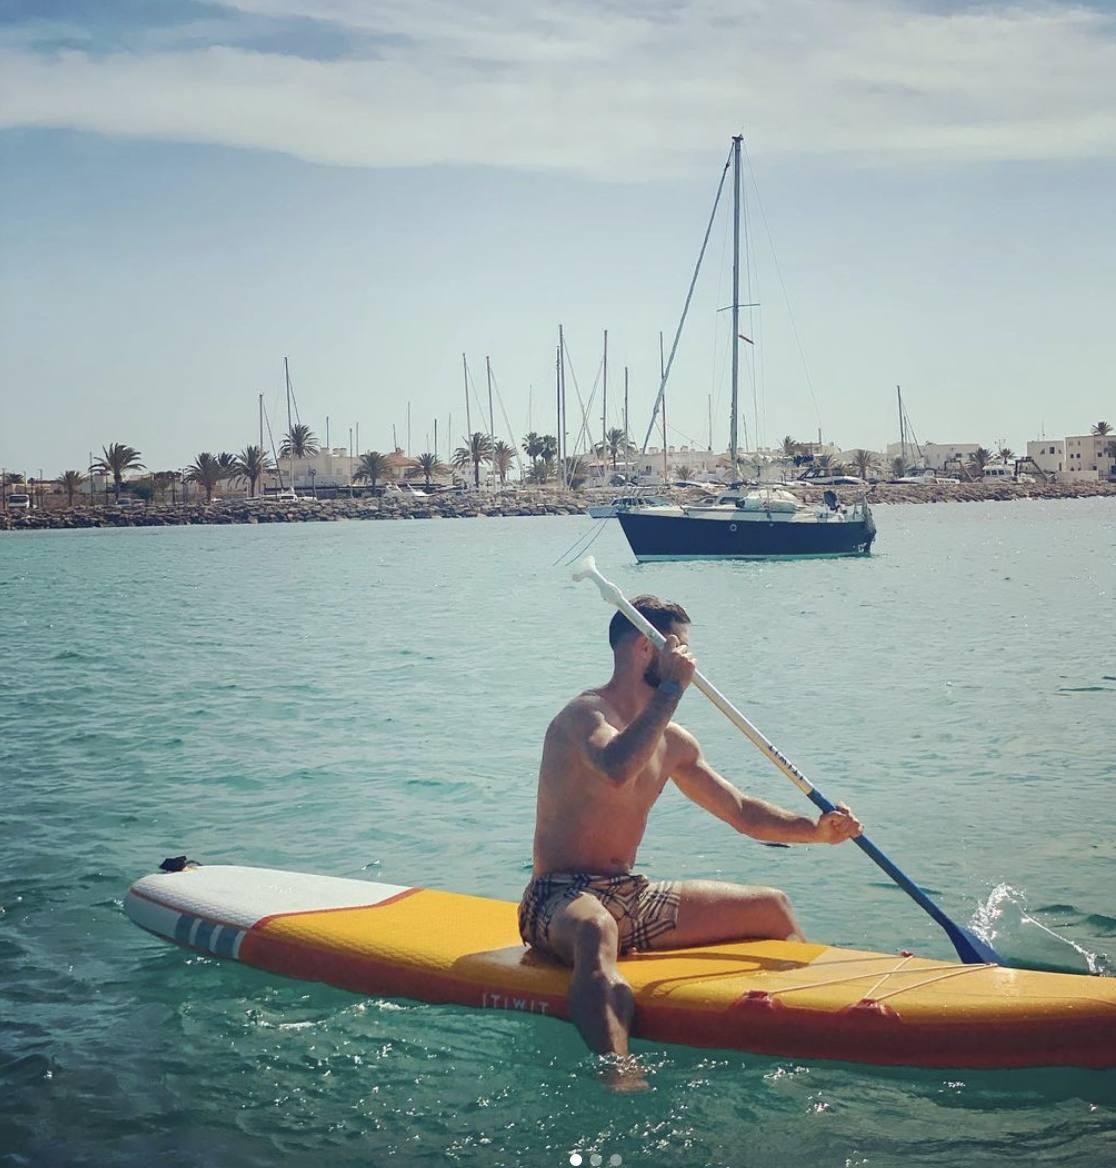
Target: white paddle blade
[(587, 567), (587, 570)]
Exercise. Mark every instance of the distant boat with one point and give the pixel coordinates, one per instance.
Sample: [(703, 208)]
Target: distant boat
[(623, 502), (923, 477), (1005, 472), (763, 523)]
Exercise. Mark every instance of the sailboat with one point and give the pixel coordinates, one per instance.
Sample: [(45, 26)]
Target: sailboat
[(768, 522)]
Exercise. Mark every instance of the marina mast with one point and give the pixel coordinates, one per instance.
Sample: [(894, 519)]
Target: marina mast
[(737, 139), (491, 415), (468, 418), (290, 444), (662, 394), (902, 431), (604, 399)]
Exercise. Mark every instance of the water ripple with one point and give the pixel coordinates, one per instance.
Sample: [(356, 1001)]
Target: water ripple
[(368, 700)]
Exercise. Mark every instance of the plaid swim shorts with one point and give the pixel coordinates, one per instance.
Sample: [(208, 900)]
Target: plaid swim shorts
[(644, 911)]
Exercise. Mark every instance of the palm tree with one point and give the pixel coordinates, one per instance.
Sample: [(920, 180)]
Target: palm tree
[(69, 481), (539, 472), (251, 464), (1101, 429), (684, 472), (532, 445), (616, 442), (227, 463), (863, 461), (477, 449), (978, 460), (167, 478), (372, 467), (429, 465), (116, 459), (205, 470), (790, 447), (299, 442), (503, 456), (1006, 454)]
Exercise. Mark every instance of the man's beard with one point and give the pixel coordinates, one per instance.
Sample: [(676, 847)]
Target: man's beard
[(651, 675)]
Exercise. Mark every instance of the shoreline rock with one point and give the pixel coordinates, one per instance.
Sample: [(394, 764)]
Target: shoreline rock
[(506, 503)]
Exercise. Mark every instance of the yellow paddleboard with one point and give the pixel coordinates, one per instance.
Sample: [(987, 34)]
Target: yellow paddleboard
[(784, 998)]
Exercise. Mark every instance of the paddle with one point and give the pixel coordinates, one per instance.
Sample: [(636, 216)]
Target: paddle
[(970, 948)]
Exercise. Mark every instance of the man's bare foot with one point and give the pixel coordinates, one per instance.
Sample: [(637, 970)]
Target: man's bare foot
[(623, 1074)]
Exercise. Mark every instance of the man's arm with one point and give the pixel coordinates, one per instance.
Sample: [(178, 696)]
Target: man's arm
[(698, 781), (620, 755)]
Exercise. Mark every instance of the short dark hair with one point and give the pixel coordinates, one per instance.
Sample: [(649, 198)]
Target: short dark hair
[(660, 613)]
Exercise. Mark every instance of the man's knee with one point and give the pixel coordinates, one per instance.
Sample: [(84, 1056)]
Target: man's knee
[(782, 913), (596, 938)]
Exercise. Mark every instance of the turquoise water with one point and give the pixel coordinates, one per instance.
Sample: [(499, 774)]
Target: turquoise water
[(368, 699)]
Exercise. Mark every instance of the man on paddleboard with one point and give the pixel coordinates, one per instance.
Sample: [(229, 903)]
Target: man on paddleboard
[(606, 758)]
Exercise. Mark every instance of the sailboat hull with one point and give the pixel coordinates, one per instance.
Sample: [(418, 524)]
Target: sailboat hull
[(688, 537)]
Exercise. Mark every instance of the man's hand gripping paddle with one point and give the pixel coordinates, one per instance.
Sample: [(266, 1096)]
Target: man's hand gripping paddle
[(970, 948)]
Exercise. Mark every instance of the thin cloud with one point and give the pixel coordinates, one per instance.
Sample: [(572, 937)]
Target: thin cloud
[(604, 90)]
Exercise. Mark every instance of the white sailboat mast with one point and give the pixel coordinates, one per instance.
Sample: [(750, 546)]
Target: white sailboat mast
[(604, 397), (735, 301), (902, 431), (468, 416), (290, 443)]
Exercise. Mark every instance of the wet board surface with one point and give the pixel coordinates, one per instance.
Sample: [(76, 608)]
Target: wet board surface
[(782, 998)]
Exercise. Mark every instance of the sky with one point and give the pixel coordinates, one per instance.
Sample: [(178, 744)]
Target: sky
[(190, 192)]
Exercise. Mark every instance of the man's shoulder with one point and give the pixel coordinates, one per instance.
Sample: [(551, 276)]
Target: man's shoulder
[(679, 738), (586, 706), (588, 701)]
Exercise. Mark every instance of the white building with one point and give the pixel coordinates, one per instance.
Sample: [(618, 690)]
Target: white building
[(935, 455), (1087, 459), (1047, 454), (704, 465), (328, 468)]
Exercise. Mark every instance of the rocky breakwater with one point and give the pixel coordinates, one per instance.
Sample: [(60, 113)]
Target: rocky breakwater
[(974, 492), (471, 505)]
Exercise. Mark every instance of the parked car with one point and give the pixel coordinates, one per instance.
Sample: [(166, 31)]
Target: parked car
[(18, 501)]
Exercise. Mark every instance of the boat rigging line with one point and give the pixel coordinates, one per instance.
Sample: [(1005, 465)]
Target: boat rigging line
[(783, 287), (575, 551), (271, 440), (583, 429), (586, 407), (686, 306), (507, 423)]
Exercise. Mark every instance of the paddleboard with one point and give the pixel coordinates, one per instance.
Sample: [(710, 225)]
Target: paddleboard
[(790, 999)]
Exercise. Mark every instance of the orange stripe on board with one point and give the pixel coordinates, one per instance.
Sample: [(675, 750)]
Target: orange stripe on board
[(775, 1028), (374, 977)]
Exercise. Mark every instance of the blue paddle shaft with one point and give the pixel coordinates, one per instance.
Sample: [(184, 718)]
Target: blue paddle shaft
[(970, 948)]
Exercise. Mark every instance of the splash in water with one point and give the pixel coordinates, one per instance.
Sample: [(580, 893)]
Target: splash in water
[(1004, 911)]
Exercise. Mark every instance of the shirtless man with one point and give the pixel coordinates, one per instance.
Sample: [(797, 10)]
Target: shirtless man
[(606, 759)]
